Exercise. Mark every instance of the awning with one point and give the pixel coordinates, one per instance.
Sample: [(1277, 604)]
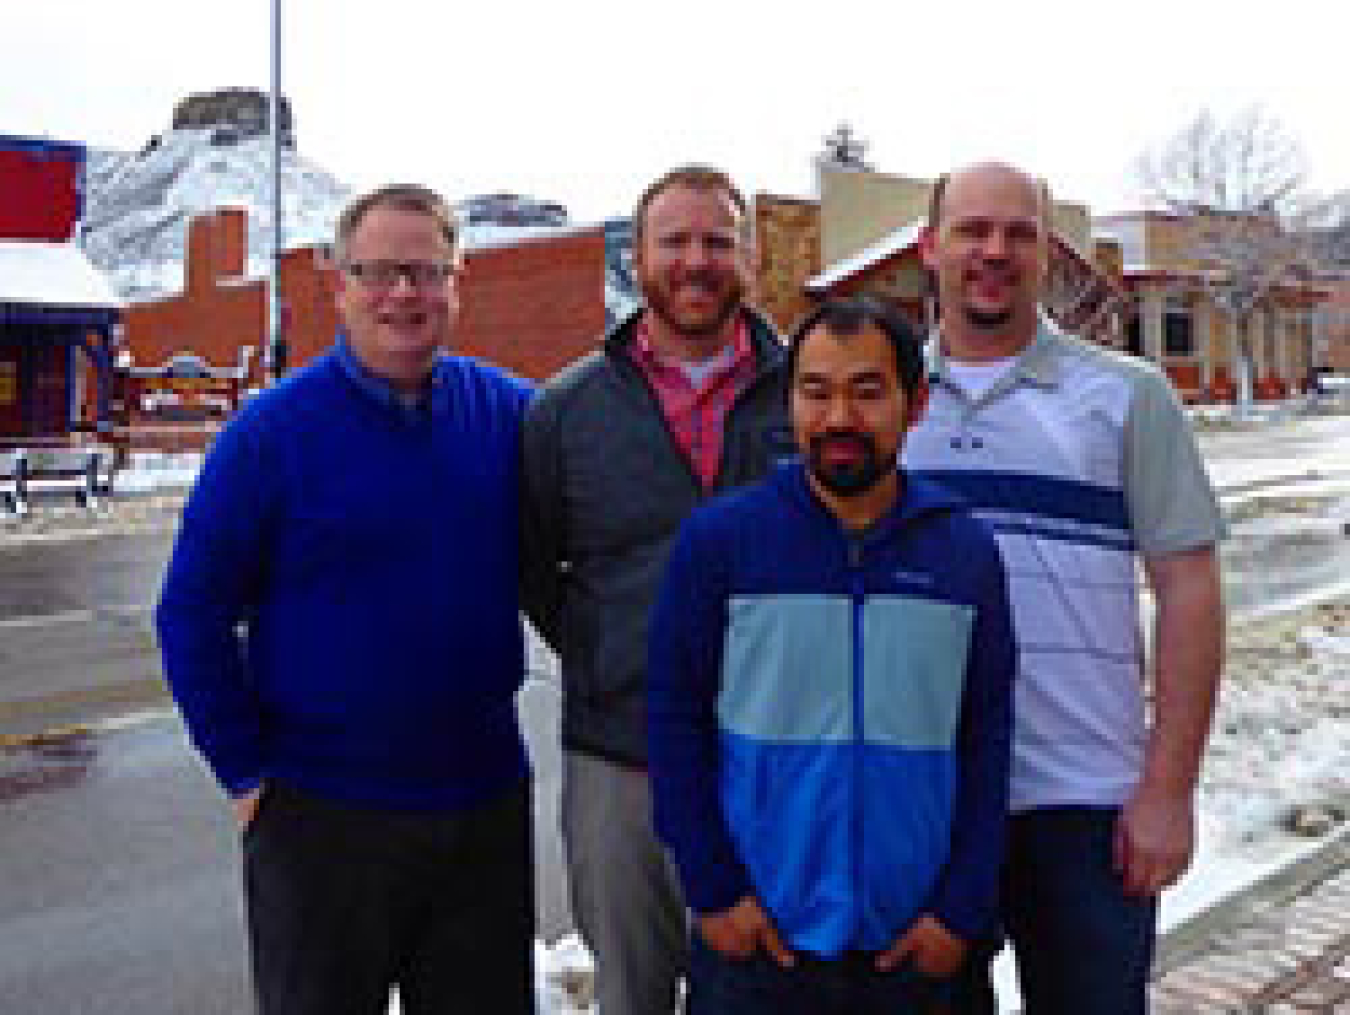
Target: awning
[(53, 275)]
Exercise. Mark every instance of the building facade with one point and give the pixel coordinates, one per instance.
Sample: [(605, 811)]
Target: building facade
[(530, 305), (58, 314)]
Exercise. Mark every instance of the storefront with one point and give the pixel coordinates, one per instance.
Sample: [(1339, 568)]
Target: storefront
[(58, 330)]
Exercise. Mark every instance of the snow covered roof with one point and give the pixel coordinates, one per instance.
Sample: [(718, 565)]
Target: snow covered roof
[(52, 274), (889, 245)]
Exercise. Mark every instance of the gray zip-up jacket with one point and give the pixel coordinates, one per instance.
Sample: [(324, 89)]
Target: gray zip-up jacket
[(604, 488)]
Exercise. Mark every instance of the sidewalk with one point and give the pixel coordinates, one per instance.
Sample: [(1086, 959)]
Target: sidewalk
[(1282, 947)]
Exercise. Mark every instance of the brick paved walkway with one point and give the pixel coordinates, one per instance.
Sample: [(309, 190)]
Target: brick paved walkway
[(1280, 957)]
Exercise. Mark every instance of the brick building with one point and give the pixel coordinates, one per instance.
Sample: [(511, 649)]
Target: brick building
[(530, 305)]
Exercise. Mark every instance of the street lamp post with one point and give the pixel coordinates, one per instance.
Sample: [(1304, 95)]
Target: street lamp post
[(276, 342)]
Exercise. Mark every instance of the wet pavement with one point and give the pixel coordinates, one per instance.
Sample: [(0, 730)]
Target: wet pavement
[(118, 891)]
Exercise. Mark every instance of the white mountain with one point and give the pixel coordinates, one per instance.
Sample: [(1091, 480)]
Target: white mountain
[(138, 205)]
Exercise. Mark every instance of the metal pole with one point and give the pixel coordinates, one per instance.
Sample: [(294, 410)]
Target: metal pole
[(275, 343)]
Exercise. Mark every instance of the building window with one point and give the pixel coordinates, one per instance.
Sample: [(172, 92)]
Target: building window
[(1134, 329), (1178, 328)]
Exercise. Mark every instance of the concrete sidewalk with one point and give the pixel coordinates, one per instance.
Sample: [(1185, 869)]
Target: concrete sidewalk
[(1282, 947)]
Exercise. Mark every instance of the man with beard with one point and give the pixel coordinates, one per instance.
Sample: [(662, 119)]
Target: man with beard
[(1082, 461), (683, 400), (831, 668)]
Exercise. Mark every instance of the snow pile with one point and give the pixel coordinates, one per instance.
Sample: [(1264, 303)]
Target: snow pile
[(1281, 736)]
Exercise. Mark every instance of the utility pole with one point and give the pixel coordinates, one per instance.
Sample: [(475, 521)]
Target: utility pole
[(276, 341)]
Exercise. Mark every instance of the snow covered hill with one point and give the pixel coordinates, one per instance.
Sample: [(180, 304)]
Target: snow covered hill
[(138, 205)]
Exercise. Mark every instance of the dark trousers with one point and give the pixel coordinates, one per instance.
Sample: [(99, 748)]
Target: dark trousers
[(1083, 946), (345, 903), (850, 985)]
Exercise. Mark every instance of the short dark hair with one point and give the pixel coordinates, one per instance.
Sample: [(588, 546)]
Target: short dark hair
[(403, 197), (847, 316), (695, 177)]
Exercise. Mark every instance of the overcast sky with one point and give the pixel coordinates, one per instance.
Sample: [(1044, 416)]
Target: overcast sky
[(585, 102)]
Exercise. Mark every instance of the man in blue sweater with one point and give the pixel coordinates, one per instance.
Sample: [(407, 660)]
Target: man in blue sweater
[(830, 684), (340, 628)]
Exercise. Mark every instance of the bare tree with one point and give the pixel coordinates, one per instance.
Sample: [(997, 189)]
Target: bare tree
[(1241, 187)]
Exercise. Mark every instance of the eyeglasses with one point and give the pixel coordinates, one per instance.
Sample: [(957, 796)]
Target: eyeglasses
[(386, 274)]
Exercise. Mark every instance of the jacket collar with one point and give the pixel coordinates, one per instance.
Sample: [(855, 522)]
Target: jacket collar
[(919, 498)]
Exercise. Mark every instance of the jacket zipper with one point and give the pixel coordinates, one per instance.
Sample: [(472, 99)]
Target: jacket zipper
[(858, 589)]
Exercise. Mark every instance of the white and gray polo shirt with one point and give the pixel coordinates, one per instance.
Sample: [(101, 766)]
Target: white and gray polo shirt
[(1080, 458)]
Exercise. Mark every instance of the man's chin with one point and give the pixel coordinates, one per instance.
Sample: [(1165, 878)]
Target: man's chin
[(700, 325)]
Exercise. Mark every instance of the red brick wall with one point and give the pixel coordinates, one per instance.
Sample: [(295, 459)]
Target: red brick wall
[(535, 306), (532, 306)]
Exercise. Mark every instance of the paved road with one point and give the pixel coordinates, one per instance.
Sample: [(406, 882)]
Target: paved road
[(117, 883)]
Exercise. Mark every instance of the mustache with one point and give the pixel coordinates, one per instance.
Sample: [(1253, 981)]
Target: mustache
[(849, 438)]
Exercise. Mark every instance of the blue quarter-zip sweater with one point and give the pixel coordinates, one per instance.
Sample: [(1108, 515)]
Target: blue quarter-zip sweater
[(830, 714), (340, 612)]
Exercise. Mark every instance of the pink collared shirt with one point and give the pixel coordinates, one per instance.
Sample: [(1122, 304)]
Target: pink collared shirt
[(697, 415)]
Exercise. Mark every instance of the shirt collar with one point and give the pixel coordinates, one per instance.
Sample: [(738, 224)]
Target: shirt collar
[(645, 352), (378, 387), (1036, 364)]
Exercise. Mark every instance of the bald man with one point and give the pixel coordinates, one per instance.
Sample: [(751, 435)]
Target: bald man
[(1084, 463)]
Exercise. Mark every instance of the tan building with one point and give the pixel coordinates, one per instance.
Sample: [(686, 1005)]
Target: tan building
[(1132, 282), (862, 237), (1174, 318)]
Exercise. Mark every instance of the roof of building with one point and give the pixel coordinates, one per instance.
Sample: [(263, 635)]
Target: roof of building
[(892, 243), (52, 274)]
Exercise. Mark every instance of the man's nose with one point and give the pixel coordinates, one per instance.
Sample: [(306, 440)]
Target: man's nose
[(839, 413), (697, 255), (995, 245)]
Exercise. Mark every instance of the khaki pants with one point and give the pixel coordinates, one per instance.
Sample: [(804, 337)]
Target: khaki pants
[(625, 894)]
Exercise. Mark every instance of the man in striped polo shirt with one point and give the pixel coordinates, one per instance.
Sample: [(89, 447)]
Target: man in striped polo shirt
[(1082, 460)]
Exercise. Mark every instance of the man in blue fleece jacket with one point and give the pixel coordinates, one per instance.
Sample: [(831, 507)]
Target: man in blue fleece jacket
[(830, 704), (340, 628)]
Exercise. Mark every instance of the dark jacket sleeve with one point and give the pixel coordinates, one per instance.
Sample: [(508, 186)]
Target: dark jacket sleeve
[(542, 519), (214, 580), (966, 897), (684, 676)]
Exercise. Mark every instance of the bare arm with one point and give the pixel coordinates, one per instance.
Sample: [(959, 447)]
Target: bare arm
[(1157, 831)]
